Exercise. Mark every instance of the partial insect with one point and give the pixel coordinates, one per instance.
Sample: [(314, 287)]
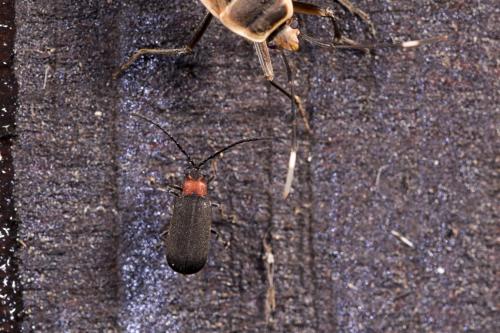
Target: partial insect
[(188, 235), (269, 21)]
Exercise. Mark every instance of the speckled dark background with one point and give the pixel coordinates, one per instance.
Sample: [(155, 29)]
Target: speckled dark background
[(10, 288), (404, 141)]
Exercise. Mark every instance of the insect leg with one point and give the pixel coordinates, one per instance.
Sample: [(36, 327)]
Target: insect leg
[(359, 13), (298, 103), (310, 9), (342, 42), (265, 61), (169, 188), (219, 238), (225, 217), (293, 151), (163, 234), (350, 44), (267, 67), (213, 173), (168, 52)]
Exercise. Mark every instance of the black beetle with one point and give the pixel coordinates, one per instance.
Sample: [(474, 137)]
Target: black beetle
[(188, 235)]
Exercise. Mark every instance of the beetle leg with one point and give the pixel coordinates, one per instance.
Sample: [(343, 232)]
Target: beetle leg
[(175, 187), (232, 218), (265, 61), (213, 168), (342, 42), (267, 67), (163, 238), (350, 44), (293, 151), (169, 189), (310, 9), (298, 103), (167, 52), (359, 13), (163, 234), (220, 239)]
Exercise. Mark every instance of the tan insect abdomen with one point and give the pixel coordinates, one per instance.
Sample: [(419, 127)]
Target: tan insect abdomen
[(216, 6), (252, 19)]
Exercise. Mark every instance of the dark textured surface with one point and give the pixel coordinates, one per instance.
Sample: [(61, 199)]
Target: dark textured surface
[(10, 288), (404, 142), (66, 165)]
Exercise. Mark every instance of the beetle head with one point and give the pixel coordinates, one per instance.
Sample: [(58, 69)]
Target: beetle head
[(287, 38), (194, 174)]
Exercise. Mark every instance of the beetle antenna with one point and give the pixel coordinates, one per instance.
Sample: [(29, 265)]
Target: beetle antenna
[(293, 150), (171, 137), (374, 46), (229, 147)]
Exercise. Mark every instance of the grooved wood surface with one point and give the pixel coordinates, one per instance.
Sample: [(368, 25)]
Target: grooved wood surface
[(404, 144)]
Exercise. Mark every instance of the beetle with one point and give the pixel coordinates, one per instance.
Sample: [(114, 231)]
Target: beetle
[(270, 21), (188, 235)]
